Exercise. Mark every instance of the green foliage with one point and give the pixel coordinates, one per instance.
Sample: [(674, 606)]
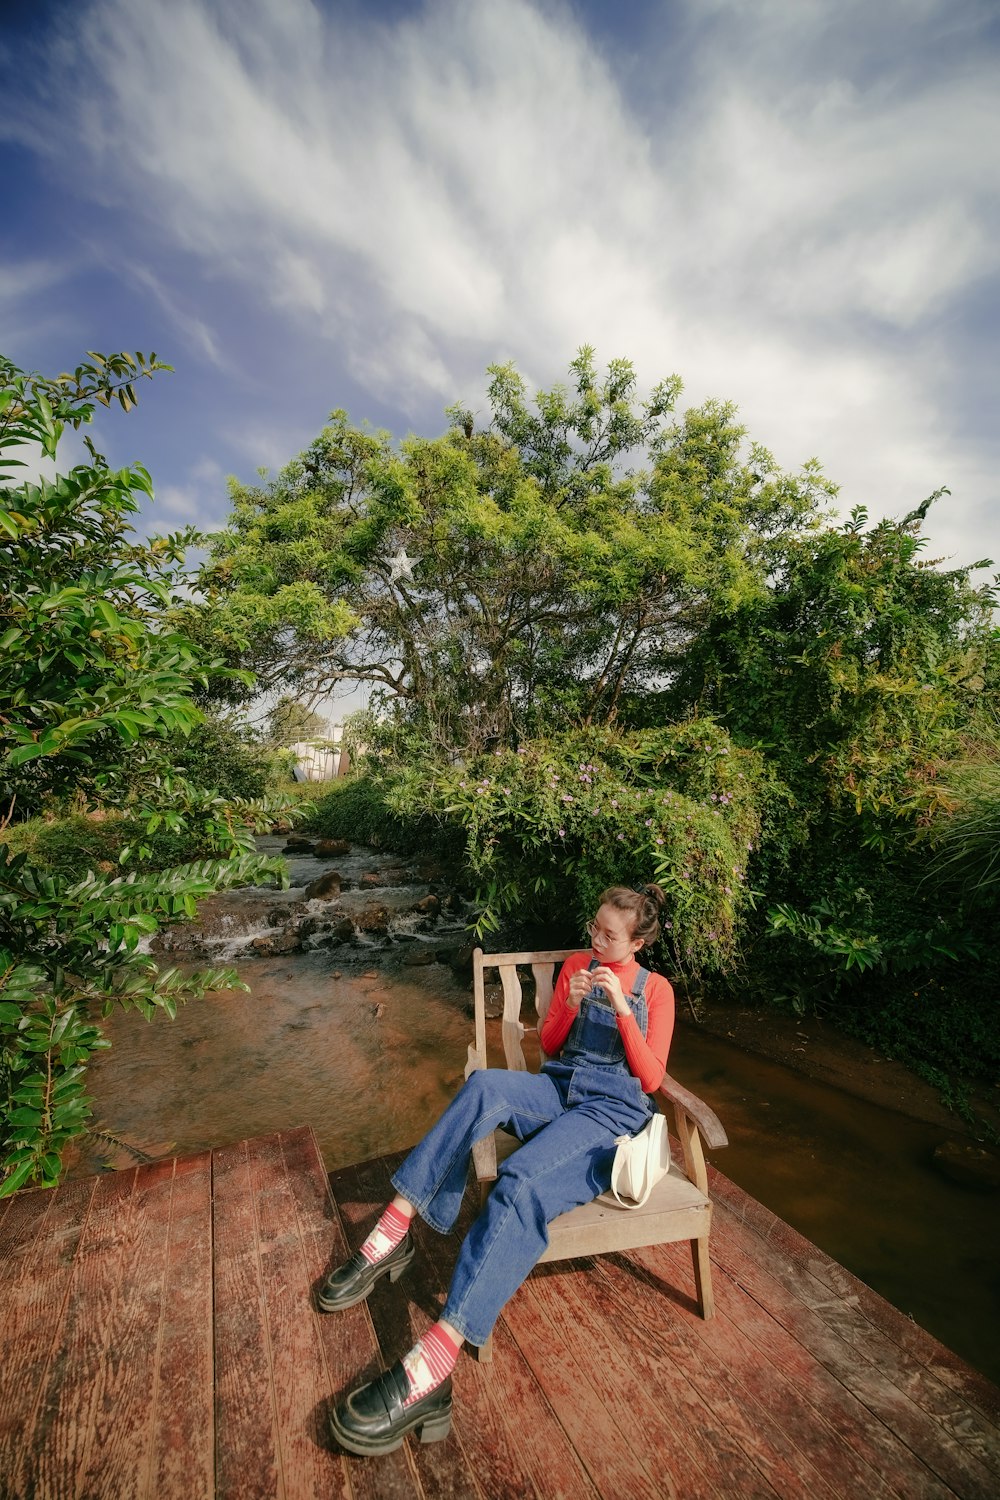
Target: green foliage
[(358, 809), (550, 825), (290, 721), (856, 669), (964, 839), (72, 846), (95, 689), (561, 555), (222, 755)]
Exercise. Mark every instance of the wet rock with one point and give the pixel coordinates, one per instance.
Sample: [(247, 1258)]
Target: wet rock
[(331, 848), (296, 844), (281, 826), (431, 869), (280, 916), (325, 887), (417, 958), (460, 959), (454, 904), (281, 942), (428, 906), (493, 1001), (968, 1164), (374, 879), (372, 919), (341, 930)]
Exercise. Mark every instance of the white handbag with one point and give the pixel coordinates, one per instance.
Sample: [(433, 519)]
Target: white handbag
[(640, 1162)]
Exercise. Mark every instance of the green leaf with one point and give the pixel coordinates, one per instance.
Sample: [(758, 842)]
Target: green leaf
[(17, 1178)]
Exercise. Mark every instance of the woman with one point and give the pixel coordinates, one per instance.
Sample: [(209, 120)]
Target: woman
[(606, 1035)]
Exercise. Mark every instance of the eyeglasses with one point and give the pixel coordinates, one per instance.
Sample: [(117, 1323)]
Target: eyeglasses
[(593, 931)]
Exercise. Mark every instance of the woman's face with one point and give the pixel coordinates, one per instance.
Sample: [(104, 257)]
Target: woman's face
[(611, 935)]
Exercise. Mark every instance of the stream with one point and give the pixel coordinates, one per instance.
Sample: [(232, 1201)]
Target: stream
[(358, 1020)]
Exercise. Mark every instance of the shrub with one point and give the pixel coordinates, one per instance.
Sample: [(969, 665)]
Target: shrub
[(550, 825)]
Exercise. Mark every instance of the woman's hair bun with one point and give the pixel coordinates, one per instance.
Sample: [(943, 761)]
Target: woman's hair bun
[(656, 895)]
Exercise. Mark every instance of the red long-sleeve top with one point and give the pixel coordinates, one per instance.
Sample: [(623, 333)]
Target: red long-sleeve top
[(646, 1056)]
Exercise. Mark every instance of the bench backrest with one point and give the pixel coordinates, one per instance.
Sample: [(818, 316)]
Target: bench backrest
[(543, 964)]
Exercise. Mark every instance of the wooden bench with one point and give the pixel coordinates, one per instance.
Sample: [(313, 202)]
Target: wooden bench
[(679, 1208)]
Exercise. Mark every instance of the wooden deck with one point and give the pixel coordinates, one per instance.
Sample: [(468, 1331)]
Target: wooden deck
[(157, 1340)]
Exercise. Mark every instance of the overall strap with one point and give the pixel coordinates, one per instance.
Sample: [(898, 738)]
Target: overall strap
[(639, 987)]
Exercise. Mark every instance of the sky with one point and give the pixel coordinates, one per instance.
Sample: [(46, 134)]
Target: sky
[(310, 204)]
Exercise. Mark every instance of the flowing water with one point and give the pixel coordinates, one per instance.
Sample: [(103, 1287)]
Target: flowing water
[(364, 1037)]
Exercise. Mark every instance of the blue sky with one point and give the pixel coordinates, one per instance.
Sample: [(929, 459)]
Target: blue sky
[(304, 204)]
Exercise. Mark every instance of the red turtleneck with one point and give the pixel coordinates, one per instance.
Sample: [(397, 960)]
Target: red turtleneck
[(647, 1056)]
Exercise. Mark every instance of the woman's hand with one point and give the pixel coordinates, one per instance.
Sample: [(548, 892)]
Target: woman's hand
[(580, 985), (611, 985)]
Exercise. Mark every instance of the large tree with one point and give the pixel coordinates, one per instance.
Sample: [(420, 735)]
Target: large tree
[(532, 568)]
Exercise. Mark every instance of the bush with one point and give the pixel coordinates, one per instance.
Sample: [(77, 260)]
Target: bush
[(549, 826), (224, 757), (72, 846), (357, 809)]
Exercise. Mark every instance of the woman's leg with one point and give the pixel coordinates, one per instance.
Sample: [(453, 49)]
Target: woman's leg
[(432, 1179), (566, 1164)]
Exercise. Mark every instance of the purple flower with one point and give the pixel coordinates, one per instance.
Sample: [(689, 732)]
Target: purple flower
[(657, 841), (562, 833)]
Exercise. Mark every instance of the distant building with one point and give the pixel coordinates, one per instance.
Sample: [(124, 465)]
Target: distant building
[(321, 760)]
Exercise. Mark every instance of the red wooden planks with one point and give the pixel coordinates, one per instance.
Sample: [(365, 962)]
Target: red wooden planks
[(91, 1424), (182, 1457), (348, 1342), (878, 1385), (41, 1234)]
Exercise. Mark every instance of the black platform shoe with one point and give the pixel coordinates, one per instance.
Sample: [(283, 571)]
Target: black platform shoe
[(373, 1418), (351, 1282)]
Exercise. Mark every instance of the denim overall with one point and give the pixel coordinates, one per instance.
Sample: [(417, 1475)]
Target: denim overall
[(568, 1116)]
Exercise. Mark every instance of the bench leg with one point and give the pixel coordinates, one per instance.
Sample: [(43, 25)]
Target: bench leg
[(482, 1353), (703, 1278)]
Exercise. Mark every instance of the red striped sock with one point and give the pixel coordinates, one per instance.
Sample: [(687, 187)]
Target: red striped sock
[(385, 1236), (429, 1362)]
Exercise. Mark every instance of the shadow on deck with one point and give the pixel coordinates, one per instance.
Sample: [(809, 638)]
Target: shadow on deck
[(158, 1340)]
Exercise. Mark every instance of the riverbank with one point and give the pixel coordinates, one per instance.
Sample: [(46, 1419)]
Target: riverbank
[(816, 1049)]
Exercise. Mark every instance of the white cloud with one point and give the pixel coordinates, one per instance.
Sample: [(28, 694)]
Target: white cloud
[(798, 204)]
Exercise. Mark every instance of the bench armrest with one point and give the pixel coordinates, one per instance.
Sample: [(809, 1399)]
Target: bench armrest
[(697, 1110)]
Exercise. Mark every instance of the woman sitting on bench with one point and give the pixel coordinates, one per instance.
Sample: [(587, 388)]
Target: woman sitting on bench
[(606, 1035)]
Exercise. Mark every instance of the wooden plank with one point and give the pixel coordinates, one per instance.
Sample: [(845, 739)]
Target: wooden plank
[(46, 1232), (309, 1470), (956, 1451), (812, 1405), (72, 1426), (629, 1409), (542, 956), (182, 1461), (124, 1386), (855, 1425), (247, 1462), (337, 1334), (768, 1415), (879, 1316), (351, 1346)]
